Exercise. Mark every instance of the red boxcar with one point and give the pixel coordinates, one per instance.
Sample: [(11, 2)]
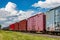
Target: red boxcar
[(36, 23), (12, 27), (16, 26), (23, 25)]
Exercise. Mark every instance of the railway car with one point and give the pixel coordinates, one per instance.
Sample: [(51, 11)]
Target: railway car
[(53, 20), (16, 26), (12, 27), (23, 25), (5, 28), (37, 23)]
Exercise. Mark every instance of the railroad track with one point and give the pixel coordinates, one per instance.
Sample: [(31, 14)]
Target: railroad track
[(44, 35), (39, 34)]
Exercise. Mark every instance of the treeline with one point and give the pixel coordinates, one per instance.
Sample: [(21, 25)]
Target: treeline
[(0, 26)]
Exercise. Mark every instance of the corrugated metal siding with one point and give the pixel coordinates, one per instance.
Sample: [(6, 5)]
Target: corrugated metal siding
[(41, 22), (29, 24), (36, 23), (12, 27), (19, 26), (16, 26), (50, 20), (23, 25)]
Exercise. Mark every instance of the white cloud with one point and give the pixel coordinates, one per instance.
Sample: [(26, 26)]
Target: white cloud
[(3, 19), (4, 13), (25, 14), (11, 8), (47, 4), (6, 24), (9, 14)]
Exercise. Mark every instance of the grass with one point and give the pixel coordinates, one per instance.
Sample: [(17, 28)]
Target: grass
[(10, 35)]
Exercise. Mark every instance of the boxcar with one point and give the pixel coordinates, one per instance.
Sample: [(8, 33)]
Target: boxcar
[(16, 26), (12, 27), (23, 25), (53, 20), (36, 23)]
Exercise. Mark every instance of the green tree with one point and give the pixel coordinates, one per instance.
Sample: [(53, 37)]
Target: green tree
[(0, 26)]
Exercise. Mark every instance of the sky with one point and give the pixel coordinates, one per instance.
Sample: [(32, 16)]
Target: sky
[(21, 4), (12, 11)]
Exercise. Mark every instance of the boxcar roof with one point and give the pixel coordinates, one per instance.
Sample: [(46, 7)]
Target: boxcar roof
[(54, 8), (35, 15)]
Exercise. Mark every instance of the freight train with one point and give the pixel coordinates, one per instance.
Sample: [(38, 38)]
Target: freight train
[(48, 22), (36, 23)]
